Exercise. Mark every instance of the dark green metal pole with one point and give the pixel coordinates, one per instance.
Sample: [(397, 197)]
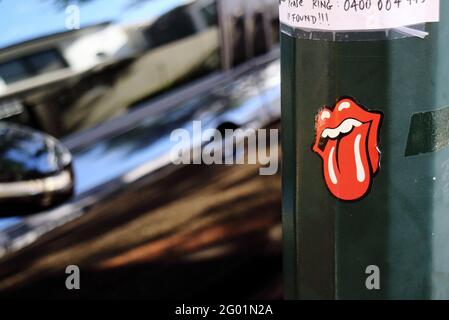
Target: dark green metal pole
[(402, 225)]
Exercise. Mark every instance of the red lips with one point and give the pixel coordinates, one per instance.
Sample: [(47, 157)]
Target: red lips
[(347, 139)]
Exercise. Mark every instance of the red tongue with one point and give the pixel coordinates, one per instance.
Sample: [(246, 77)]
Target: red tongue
[(347, 164)]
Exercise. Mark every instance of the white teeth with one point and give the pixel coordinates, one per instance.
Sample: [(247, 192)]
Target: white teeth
[(345, 127)]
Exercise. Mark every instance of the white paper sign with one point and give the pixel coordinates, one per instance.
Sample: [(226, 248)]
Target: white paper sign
[(353, 15)]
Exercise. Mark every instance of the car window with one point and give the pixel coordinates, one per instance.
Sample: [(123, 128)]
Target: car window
[(31, 65), (163, 31), (210, 14), (13, 71), (45, 61)]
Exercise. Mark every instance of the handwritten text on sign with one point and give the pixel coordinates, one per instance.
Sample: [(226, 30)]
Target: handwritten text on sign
[(352, 15)]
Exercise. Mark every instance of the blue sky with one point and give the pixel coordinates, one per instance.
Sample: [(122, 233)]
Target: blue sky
[(26, 19)]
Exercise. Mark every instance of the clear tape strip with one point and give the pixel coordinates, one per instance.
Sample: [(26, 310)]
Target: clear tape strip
[(387, 34)]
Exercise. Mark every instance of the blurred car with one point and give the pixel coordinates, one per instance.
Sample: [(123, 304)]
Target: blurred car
[(138, 225)]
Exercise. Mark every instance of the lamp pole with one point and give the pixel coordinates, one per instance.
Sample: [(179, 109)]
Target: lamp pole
[(354, 229)]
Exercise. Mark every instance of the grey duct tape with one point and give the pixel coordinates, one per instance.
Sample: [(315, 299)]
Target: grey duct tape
[(429, 132)]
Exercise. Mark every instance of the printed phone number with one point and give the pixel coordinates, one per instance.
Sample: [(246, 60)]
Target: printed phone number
[(382, 5)]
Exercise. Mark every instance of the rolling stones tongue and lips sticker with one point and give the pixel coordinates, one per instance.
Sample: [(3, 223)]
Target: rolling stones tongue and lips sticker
[(347, 138)]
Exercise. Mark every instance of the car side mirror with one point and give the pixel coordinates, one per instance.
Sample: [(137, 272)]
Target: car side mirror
[(35, 171)]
